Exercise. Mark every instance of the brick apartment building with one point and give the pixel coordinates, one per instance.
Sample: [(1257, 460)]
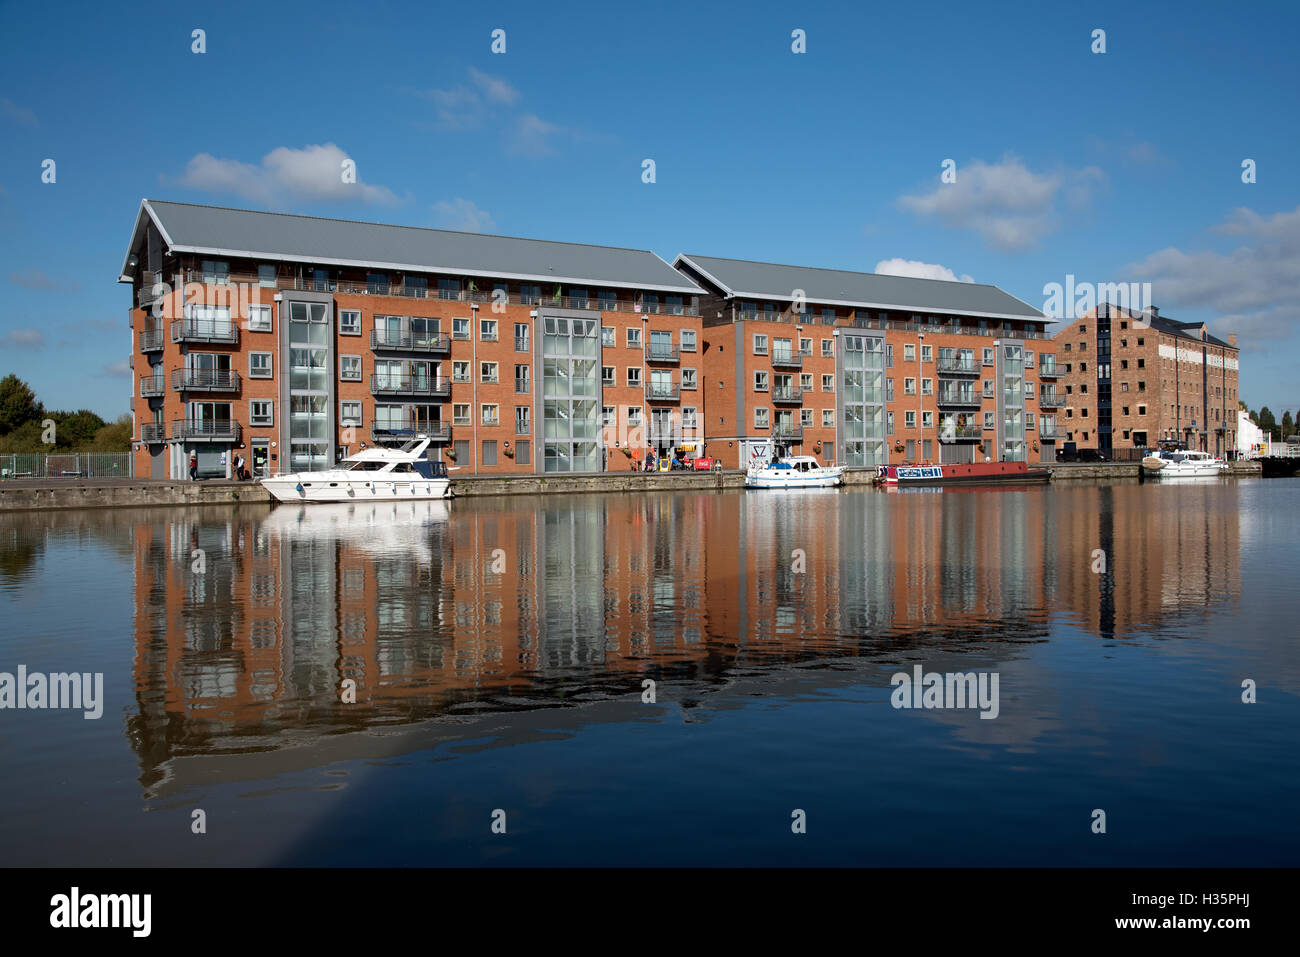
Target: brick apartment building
[(1133, 379), (294, 341), (861, 369)]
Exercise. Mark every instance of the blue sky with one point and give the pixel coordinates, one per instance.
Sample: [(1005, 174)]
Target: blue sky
[(1111, 167)]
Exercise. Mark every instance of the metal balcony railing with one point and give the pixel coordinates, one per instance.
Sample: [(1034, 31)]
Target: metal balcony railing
[(406, 342), (1050, 400), (1048, 370), (788, 433), (204, 380), (403, 430), (662, 393), (663, 354), (206, 430), (962, 397), (958, 366), (151, 340), (152, 385), (204, 330), (960, 433), (787, 394), (388, 384), (787, 360), (153, 432)]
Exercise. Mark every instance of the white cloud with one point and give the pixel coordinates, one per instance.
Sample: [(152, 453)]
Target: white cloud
[(121, 368), (1008, 204), (918, 270), (1252, 287), (32, 339), (463, 215), (533, 135), (313, 173), (493, 87), (35, 279), (464, 105), (19, 114)]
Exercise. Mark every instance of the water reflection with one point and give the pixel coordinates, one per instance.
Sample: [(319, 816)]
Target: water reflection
[(249, 620)]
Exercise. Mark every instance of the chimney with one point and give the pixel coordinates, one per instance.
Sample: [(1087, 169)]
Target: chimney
[(1153, 312), (1232, 339)]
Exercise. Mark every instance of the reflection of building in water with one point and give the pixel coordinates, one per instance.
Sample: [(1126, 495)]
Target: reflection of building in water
[(249, 620)]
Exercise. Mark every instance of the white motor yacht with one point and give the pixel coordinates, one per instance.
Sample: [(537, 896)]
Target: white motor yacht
[(794, 471), (1182, 464), (375, 474)]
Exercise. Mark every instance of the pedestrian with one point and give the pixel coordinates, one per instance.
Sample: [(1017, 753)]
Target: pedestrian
[(194, 466), (239, 466)]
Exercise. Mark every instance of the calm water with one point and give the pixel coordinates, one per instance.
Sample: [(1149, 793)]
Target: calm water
[(498, 649)]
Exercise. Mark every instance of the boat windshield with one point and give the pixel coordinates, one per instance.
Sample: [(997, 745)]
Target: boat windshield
[(367, 466)]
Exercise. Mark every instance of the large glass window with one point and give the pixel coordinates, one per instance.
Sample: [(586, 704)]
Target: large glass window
[(570, 391)]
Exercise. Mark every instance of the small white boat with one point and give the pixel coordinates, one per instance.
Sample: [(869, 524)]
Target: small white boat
[(1182, 464), (370, 475), (794, 471)]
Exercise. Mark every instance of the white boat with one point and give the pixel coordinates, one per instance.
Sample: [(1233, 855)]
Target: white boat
[(377, 474), (380, 529), (794, 471), (1182, 464)]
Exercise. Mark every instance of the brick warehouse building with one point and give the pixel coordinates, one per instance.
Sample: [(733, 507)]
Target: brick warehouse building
[(1133, 379), (861, 369), (295, 340)]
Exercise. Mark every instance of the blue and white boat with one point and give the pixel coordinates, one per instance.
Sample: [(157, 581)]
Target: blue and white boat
[(794, 471), (370, 475)]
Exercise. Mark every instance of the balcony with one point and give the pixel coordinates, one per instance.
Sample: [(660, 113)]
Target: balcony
[(960, 433), (421, 342), (1048, 431), (787, 433), (151, 340), (204, 380), (1048, 370), (206, 430), (663, 354), (403, 430), (205, 330), (1049, 399), (153, 432), (659, 392), (787, 360), (381, 384), (965, 398), (152, 385), (958, 366), (152, 288), (787, 394)]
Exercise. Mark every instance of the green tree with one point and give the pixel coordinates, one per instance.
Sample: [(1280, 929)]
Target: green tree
[(18, 404), (75, 430), (114, 437), (25, 438), (1266, 421), (1288, 424)]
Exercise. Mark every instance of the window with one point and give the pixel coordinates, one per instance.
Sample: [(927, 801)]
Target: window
[(688, 378), (989, 420), (760, 381), (805, 346), (891, 423), (1123, 387), (448, 288), (1141, 341), (489, 414), (828, 382), (461, 449), (760, 345), (1083, 389), (1029, 390), (927, 420), (524, 452), (460, 328), (909, 419), (266, 276), (688, 340), (927, 387), (460, 414), (607, 416), (487, 330), (828, 418), (521, 380), (606, 375), (607, 336), (909, 386), (1083, 367), (760, 418), (1142, 363), (460, 372), (259, 365), (1142, 386), (927, 353), (633, 337), (489, 452), (1083, 347), (349, 413), (1142, 410), (1083, 329), (806, 418), (215, 272), (349, 322), (259, 318), (806, 381), (523, 420), (634, 416), (350, 368), (688, 417), (634, 377), (606, 300), (909, 352), (988, 356), (530, 295), (828, 348), (988, 388), (260, 412), (1125, 410), (521, 337), (488, 372)]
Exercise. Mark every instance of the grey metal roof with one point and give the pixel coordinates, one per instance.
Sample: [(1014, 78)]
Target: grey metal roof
[(220, 231), (756, 280), (1185, 330)]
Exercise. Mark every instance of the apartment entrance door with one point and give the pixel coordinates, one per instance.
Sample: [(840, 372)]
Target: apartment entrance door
[(261, 465)]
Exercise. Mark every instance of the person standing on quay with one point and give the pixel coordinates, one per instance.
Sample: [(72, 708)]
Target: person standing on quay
[(194, 466)]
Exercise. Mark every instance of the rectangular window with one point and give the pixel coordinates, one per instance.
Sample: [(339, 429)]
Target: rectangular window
[(828, 382), (266, 276), (350, 368), (688, 378), (349, 322), (909, 352), (909, 419), (488, 372), (633, 337), (988, 356), (890, 418), (1029, 390), (760, 418), (259, 365), (521, 337), (989, 420), (259, 318), (688, 340), (606, 375), (927, 353), (489, 452), (927, 387), (689, 417), (349, 413), (806, 381), (487, 330), (828, 418), (215, 272), (606, 300), (523, 420), (460, 371), (806, 418), (805, 346), (460, 328), (634, 377), (448, 288), (909, 386), (607, 336), (760, 381), (489, 415), (828, 348), (1029, 420), (760, 345), (521, 380), (260, 412), (460, 414), (988, 388), (633, 416), (530, 295)]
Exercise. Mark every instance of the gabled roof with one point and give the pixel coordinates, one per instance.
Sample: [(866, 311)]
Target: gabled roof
[(223, 232), (1172, 327), (757, 280)]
